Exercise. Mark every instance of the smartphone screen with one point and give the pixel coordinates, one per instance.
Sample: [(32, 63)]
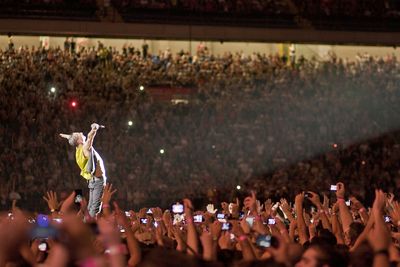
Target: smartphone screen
[(43, 245), (57, 220), (226, 226), (198, 218), (271, 221), (333, 187), (221, 217), (78, 196), (143, 220), (177, 208), (250, 221), (266, 241)]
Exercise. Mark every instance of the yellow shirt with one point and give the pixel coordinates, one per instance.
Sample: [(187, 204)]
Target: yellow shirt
[(82, 162)]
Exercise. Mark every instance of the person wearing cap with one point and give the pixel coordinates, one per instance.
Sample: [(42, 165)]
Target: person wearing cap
[(91, 165)]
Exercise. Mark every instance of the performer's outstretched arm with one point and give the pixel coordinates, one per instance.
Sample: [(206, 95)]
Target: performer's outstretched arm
[(89, 142)]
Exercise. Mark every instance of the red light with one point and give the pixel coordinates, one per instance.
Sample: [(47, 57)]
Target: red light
[(74, 104)]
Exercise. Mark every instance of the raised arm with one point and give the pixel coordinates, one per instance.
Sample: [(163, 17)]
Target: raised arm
[(379, 238), (192, 238), (344, 211), (301, 225), (316, 201), (133, 245), (89, 142)]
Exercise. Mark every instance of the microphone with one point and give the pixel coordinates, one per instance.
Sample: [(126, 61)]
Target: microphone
[(97, 126)]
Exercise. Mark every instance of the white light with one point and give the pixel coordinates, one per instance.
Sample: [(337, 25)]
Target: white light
[(52, 89), (130, 123), (141, 88), (238, 187), (162, 151)]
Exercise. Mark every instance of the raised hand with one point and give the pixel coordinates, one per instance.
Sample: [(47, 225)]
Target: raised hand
[(299, 198), (52, 202), (216, 229), (250, 202), (84, 205), (109, 232), (157, 213), (225, 241), (94, 126), (315, 199), (245, 226), (395, 213), (379, 238), (108, 192), (325, 203), (380, 201), (187, 203), (225, 207), (340, 192), (287, 209), (233, 208), (268, 207), (259, 227), (167, 218), (210, 209), (68, 202), (120, 216)]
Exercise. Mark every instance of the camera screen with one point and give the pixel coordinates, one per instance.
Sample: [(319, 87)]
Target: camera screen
[(250, 221), (177, 208), (264, 241), (226, 226), (198, 218)]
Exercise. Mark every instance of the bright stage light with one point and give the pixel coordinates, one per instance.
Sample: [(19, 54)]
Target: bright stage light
[(74, 104), (162, 151), (238, 187), (53, 90), (141, 88), (130, 123)]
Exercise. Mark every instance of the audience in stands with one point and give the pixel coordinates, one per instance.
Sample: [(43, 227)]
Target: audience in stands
[(253, 120)]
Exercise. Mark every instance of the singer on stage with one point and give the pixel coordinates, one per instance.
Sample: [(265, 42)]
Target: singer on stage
[(91, 165)]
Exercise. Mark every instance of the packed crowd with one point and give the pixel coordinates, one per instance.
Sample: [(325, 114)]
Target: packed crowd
[(209, 6), (353, 8), (71, 9), (311, 232), (255, 120)]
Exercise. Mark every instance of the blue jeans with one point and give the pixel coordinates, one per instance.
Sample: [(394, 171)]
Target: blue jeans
[(95, 192)]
